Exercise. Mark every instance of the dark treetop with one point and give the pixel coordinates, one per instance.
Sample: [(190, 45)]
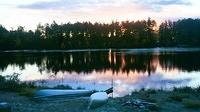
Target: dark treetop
[(126, 34)]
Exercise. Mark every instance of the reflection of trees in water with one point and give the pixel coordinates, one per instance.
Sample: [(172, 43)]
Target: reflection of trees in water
[(184, 61), (101, 61)]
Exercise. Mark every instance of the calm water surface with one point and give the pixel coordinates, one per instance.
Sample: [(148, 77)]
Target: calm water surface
[(125, 70)]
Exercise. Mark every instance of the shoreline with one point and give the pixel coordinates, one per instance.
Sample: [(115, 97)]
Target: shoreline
[(182, 99), (128, 50)]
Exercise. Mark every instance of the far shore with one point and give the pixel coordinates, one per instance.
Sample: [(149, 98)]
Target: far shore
[(156, 49)]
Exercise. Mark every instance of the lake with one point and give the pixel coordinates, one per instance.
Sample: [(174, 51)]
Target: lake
[(126, 70)]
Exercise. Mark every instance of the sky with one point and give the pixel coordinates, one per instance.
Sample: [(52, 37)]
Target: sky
[(29, 13)]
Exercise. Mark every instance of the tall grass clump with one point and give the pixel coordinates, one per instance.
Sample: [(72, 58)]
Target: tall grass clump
[(12, 83)]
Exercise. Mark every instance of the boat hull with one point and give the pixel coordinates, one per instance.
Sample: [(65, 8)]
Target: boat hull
[(61, 93)]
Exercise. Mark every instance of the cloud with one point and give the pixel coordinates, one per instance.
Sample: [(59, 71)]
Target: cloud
[(164, 2), (158, 5), (50, 4), (69, 4), (65, 4), (158, 81)]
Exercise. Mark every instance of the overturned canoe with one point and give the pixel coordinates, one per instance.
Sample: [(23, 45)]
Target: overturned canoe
[(67, 93), (53, 92)]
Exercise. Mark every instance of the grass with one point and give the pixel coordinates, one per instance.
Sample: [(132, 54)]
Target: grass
[(190, 103), (12, 83), (181, 99), (29, 92), (4, 110), (178, 96)]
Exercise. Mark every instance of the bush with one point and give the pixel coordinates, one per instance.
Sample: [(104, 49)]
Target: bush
[(183, 90), (2, 79), (62, 87), (12, 83), (79, 88), (151, 91)]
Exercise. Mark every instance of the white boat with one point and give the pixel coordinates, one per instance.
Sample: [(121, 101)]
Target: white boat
[(67, 93), (54, 92), (97, 99)]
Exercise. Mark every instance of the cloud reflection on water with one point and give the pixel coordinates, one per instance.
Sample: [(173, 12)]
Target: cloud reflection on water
[(127, 70), (123, 84)]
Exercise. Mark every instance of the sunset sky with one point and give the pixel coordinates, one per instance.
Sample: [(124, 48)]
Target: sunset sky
[(29, 13)]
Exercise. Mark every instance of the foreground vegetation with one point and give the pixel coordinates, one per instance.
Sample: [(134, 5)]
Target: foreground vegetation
[(11, 83), (182, 99), (125, 34)]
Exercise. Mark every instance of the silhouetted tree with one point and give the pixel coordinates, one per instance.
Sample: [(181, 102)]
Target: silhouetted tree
[(86, 35), (183, 33)]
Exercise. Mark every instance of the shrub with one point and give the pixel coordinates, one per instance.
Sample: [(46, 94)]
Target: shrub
[(80, 88), (62, 87), (12, 83), (183, 90)]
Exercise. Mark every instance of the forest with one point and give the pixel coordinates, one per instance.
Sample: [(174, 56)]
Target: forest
[(87, 35)]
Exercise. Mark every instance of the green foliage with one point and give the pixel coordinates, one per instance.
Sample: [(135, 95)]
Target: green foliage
[(151, 91), (12, 83), (182, 33), (85, 35), (127, 34), (79, 88), (178, 96), (62, 87), (184, 90), (2, 79), (29, 92), (5, 110), (190, 103)]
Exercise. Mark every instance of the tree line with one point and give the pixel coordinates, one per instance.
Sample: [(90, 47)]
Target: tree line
[(87, 35), (182, 33)]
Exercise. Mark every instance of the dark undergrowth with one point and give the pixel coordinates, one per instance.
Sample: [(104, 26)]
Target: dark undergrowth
[(12, 83)]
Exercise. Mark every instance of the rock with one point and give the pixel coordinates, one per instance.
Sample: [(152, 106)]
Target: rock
[(5, 107), (139, 103)]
